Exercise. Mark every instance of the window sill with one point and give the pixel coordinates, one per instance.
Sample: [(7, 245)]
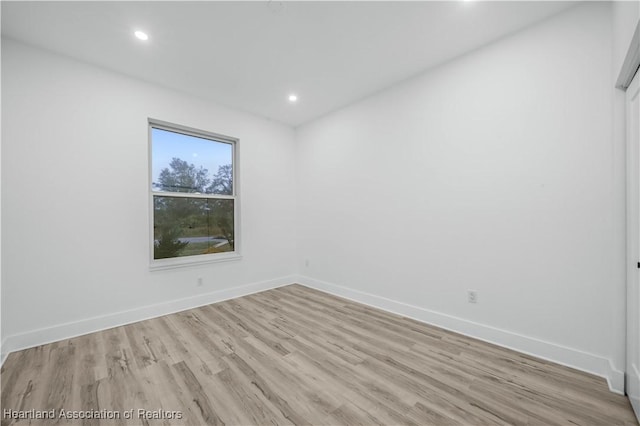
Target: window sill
[(183, 262)]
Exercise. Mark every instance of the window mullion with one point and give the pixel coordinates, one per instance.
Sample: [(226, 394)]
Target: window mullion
[(192, 195)]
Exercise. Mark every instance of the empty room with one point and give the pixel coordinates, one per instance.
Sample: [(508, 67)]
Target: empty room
[(320, 213)]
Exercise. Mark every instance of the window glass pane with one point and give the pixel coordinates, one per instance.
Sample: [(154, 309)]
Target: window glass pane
[(192, 226), (183, 163)]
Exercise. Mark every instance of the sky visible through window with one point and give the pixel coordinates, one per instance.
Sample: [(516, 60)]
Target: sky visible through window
[(193, 150)]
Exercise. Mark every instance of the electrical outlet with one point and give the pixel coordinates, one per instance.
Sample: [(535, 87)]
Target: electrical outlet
[(199, 281), (472, 296)]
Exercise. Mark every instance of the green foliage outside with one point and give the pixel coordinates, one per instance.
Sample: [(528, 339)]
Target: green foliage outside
[(168, 245), (185, 226)]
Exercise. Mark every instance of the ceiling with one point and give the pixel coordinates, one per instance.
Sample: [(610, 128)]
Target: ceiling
[(252, 55)]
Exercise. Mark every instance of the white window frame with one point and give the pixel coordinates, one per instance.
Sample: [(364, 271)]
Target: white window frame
[(177, 262)]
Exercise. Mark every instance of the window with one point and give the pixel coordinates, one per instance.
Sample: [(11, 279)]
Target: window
[(193, 196)]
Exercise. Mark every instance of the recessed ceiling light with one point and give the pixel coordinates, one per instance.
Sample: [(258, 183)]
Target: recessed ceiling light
[(293, 97), (141, 35)]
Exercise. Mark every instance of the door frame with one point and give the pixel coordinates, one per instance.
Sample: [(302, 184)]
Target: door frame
[(631, 61), (628, 72), (632, 375)]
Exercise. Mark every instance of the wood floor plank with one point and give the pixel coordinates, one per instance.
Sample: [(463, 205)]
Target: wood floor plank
[(294, 355), (248, 400), (199, 397), (350, 414), (172, 395)]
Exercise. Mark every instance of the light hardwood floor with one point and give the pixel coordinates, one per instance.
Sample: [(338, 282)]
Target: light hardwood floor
[(298, 356)]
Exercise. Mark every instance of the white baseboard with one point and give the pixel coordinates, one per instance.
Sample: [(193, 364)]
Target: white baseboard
[(559, 354), (3, 354), (90, 325)]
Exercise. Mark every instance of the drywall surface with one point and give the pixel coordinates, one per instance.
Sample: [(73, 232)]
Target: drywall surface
[(491, 173), (75, 200)]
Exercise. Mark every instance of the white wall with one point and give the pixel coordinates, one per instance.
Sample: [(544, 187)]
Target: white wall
[(75, 199), (493, 173)]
